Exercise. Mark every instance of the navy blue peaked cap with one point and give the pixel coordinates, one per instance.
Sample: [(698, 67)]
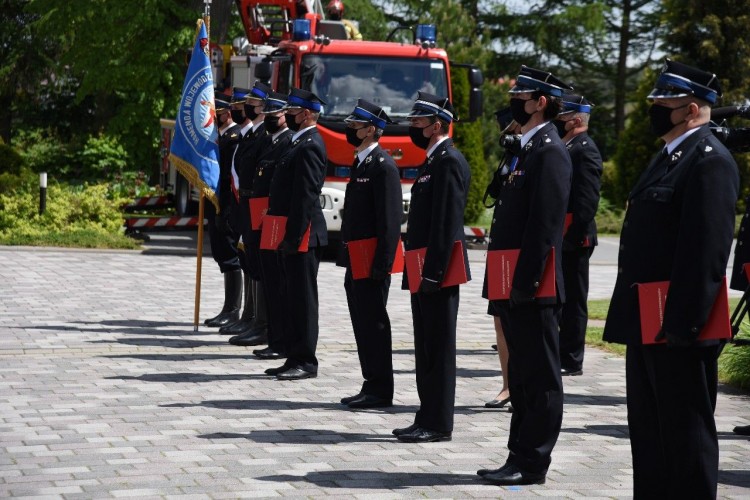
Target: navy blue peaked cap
[(432, 105), (239, 94), (574, 103), (221, 100), (299, 98), (680, 80), (259, 91), (536, 80), (367, 112), (275, 101)]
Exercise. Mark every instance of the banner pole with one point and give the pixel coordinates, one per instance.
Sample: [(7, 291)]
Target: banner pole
[(199, 261)]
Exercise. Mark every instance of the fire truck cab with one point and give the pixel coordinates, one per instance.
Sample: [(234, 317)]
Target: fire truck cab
[(290, 44)]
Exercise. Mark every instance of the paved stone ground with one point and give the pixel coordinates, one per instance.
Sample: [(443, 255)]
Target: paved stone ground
[(106, 391)]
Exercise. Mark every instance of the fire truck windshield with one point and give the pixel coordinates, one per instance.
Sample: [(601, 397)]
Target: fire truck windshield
[(390, 82)]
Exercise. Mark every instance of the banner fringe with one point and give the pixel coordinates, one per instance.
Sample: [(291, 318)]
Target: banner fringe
[(191, 174)]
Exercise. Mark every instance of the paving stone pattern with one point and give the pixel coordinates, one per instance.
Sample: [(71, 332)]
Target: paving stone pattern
[(107, 392)]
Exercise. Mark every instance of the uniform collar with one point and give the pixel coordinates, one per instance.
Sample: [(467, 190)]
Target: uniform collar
[(435, 146), (244, 130), (679, 140), (277, 134), (366, 152), (525, 138), (301, 132)]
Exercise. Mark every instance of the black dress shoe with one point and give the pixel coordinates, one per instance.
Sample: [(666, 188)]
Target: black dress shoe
[(223, 319), (276, 371), (296, 374), (512, 475), (484, 472), (422, 435), (267, 353), (236, 328), (404, 430), (497, 403), (349, 399), (566, 372), (248, 339), (369, 401), (742, 430)]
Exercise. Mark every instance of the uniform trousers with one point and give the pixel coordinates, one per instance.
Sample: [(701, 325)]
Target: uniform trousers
[(274, 286), (535, 383), (367, 299), (574, 313), (434, 318), (223, 244), (671, 393), (300, 271), (250, 239)]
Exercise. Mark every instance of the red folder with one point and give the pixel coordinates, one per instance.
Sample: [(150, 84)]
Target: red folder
[(566, 226), (652, 298), (273, 230), (746, 268), (258, 208), (362, 254), (454, 275), (501, 266)]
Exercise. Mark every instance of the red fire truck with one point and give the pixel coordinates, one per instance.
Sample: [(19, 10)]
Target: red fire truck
[(289, 47)]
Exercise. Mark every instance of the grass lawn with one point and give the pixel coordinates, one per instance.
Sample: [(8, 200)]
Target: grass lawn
[(80, 238)]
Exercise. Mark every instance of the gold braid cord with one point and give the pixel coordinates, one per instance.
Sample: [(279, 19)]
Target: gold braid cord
[(191, 174)]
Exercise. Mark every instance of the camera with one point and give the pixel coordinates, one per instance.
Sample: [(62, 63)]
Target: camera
[(511, 143)]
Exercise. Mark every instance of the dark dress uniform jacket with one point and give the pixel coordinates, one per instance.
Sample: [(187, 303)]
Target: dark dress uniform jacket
[(529, 212), (246, 157), (584, 191), (436, 213), (678, 227), (373, 208), (295, 189), (228, 141)]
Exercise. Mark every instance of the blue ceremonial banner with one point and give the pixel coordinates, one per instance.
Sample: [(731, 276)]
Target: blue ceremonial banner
[(194, 151)]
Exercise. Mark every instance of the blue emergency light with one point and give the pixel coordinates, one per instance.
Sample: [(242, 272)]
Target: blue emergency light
[(301, 30), (426, 35)]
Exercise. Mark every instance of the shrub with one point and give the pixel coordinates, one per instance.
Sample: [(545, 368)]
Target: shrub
[(88, 209), (13, 169), (102, 158)]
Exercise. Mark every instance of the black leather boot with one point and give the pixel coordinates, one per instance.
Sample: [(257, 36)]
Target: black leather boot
[(256, 333), (248, 313), (232, 299)]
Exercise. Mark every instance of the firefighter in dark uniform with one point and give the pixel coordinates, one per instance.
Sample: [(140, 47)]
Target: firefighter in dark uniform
[(579, 239), (373, 210), (436, 221), (221, 236), (295, 193), (234, 210), (252, 323), (529, 215), (275, 144), (678, 227)]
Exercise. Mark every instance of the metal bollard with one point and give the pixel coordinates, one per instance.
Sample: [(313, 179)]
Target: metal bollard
[(42, 192)]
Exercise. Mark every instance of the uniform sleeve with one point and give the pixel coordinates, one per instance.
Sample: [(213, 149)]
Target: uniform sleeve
[(309, 171), (388, 198), (706, 230), (550, 187), (584, 192), (448, 202)]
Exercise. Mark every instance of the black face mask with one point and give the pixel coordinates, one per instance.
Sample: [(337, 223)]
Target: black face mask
[(417, 137), (351, 137), (272, 123), (292, 123), (237, 116), (518, 112), (661, 119), (560, 126), (250, 112)]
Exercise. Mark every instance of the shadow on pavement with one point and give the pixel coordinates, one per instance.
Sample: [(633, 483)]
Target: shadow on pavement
[(301, 436), (610, 430), (183, 357), (735, 478), (376, 479), (189, 377), (593, 399), (281, 404), (170, 343)]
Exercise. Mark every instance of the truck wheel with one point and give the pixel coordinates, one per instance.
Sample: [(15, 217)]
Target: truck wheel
[(183, 205)]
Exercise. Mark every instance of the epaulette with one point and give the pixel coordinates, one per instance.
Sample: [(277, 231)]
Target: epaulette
[(704, 148)]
